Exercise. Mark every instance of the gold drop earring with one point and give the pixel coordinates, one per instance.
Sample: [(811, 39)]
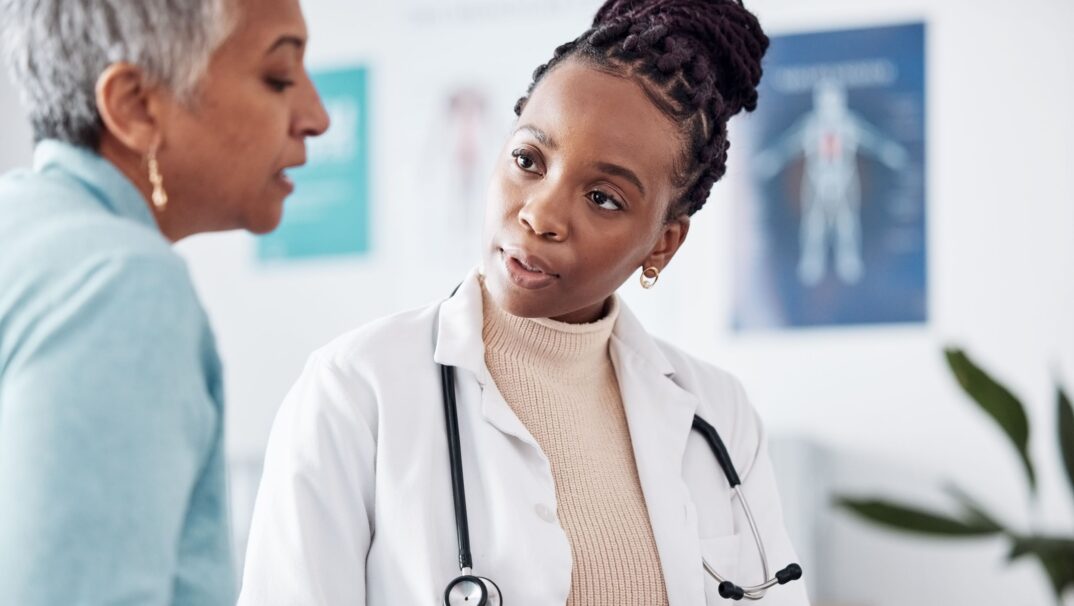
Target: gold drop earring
[(160, 197), (649, 276)]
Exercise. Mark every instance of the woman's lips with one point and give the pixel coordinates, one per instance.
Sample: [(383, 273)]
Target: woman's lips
[(285, 182), (526, 273)]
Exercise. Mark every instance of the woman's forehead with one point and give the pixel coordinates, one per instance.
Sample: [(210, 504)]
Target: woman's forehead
[(586, 110), (259, 23)]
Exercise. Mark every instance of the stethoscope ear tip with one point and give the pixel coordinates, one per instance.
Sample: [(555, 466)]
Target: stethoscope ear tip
[(792, 572), (731, 591)]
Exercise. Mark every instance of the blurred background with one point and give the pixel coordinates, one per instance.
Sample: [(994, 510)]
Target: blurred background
[(907, 184)]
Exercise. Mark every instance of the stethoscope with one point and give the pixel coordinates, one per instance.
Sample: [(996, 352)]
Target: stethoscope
[(468, 589)]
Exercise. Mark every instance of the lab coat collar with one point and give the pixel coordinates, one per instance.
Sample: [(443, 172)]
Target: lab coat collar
[(460, 344), (459, 341), (629, 334), (458, 335)]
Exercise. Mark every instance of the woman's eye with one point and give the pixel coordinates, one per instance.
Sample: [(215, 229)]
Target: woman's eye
[(279, 84), (605, 201), (524, 160)]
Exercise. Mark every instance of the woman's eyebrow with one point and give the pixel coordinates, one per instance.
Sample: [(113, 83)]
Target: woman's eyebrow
[(621, 171), (605, 167), (296, 41), (541, 136)]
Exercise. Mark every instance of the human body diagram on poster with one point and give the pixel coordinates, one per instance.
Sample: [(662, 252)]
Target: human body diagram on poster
[(828, 138)]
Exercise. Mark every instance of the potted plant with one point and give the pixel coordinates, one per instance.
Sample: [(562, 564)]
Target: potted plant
[(1054, 553)]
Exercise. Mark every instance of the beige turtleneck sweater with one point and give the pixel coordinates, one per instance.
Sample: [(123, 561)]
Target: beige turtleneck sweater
[(559, 380)]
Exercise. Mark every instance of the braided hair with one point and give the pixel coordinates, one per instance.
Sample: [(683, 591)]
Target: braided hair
[(698, 61)]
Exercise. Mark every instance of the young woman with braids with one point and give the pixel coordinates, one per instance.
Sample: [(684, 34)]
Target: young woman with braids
[(584, 483)]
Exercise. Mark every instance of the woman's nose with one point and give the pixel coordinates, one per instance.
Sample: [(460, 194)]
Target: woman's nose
[(546, 216), (311, 118)]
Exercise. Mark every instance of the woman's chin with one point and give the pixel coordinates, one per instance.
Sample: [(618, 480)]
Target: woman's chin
[(514, 300), (265, 219)]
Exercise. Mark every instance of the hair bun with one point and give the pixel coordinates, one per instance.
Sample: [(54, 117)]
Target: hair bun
[(723, 32), (616, 8)]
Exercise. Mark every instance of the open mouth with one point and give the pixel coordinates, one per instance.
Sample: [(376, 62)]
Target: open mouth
[(284, 180), (528, 262), (530, 268), (527, 272)]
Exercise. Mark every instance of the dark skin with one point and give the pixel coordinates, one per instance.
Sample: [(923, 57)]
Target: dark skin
[(579, 198)]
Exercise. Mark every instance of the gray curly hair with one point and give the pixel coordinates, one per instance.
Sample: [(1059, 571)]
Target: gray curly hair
[(56, 50)]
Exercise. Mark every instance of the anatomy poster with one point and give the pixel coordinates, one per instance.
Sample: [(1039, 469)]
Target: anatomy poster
[(467, 132), (830, 226)]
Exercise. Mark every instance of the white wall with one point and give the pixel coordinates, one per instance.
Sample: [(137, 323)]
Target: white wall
[(16, 139), (1000, 83)]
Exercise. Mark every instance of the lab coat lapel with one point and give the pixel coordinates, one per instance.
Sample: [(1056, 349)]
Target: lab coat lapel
[(458, 329), (459, 344), (660, 416)]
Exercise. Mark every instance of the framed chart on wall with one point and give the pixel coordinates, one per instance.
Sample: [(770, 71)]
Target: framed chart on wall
[(830, 226), (328, 214)]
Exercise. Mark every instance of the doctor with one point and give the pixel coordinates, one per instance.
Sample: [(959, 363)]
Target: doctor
[(583, 480)]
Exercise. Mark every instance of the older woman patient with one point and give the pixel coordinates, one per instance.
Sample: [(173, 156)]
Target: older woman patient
[(154, 120)]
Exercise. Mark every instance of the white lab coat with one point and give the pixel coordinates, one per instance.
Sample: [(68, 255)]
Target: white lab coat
[(355, 505)]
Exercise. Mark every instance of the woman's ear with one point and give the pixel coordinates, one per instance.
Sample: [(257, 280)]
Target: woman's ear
[(129, 107), (671, 238)]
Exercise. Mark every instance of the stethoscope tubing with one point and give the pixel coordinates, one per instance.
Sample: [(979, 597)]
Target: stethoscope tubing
[(458, 489), (723, 457), (755, 592)]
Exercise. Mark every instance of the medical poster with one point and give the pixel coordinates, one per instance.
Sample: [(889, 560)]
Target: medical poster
[(466, 125), (328, 214), (830, 223)]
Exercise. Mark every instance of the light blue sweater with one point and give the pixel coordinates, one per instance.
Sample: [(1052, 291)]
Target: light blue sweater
[(112, 485)]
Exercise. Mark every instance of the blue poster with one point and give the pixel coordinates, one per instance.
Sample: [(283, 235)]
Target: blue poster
[(328, 214), (831, 227)]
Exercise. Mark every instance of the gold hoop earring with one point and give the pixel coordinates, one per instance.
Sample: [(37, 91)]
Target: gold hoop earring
[(160, 197), (648, 281)]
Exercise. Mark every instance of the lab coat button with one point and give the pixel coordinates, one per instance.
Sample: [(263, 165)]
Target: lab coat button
[(545, 513)]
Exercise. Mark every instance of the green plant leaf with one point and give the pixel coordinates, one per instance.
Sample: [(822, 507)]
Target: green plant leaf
[(903, 517), (997, 401), (1066, 434), (1056, 556), (977, 513)]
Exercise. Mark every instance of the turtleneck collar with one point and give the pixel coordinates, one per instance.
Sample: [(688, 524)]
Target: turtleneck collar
[(569, 348)]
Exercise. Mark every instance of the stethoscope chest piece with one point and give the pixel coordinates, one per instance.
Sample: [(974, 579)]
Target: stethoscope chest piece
[(470, 590)]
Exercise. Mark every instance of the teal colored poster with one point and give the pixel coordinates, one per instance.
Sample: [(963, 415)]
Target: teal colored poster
[(328, 214)]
